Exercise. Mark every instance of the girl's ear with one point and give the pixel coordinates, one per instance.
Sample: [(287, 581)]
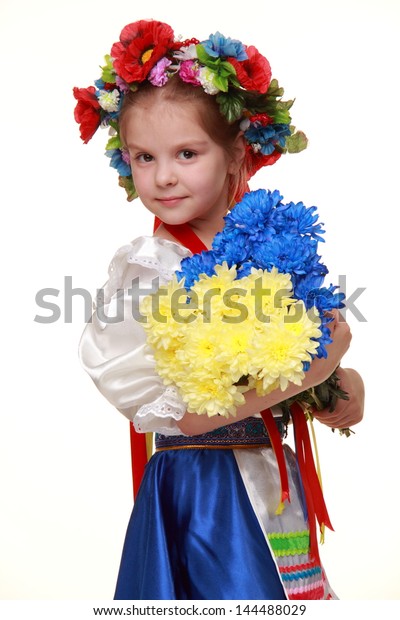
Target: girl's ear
[(238, 154)]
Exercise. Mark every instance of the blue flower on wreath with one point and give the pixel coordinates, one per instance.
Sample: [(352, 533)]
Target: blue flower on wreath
[(118, 162), (268, 136), (100, 84), (219, 46)]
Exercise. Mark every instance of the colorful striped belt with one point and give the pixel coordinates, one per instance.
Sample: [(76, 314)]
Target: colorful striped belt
[(248, 433)]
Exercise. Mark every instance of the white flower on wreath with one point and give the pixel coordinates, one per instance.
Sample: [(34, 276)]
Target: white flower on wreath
[(206, 79), (188, 52), (109, 100)]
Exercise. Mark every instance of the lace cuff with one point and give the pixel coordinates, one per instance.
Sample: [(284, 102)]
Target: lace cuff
[(161, 415)]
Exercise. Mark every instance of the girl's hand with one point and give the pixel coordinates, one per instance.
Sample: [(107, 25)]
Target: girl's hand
[(347, 412)]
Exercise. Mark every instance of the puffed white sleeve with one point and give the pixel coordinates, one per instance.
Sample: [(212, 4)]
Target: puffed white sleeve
[(113, 348)]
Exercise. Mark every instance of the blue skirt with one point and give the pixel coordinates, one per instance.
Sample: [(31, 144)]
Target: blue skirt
[(193, 534)]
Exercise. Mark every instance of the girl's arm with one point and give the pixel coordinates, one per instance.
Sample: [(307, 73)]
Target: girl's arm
[(320, 370)]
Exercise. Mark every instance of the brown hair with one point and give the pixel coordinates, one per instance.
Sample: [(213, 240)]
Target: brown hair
[(210, 118)]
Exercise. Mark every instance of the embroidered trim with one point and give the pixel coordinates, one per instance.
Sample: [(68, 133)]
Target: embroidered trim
[(169, 407), (213, 447), (301, 574), (315, 592), (304, 580), (249, 433), (155, 264), (290, 543)]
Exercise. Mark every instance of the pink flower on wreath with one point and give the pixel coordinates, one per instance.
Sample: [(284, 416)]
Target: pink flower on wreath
[(158, 75), (122, 85), (189, 72), (126, 158)]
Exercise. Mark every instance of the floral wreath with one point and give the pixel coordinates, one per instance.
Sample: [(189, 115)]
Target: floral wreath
[(237, 75)]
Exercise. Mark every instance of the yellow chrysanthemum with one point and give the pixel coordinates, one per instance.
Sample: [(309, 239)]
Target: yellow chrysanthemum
[(303, 322), (168, 366), (200, 347), (283, 346), (210, 395), (235, 345), (271, 291), (250, 331), (167, 314), (210, 292)]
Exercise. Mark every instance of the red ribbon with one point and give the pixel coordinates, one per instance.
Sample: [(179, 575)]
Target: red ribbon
[(315, 503), (188, 238), (276, 442), (138, 457)]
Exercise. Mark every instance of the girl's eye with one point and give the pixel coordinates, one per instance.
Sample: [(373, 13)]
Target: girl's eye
[(144, 158), (186, 154)]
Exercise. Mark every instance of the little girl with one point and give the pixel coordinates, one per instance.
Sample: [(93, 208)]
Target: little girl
[(187, 135)]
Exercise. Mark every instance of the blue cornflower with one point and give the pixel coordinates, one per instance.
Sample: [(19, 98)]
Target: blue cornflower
[(117, 162), (296, 218), (303, 285), (324, 299), (219, 46), (323, 340), (312, 278), (233, 248), (253, 212), (268, 136), (287, 252), (193, 266), (245, 269)]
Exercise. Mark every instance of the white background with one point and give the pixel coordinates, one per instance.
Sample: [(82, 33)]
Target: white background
[(64, 451)]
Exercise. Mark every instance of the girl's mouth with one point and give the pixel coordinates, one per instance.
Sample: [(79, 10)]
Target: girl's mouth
[(170, 202)]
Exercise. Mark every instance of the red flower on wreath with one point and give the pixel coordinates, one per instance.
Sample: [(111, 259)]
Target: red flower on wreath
[(87, 112), (256, 160), (140, 47), (253, 73)]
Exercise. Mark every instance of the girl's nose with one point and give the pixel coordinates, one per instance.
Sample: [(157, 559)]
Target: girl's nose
[(165, 174)]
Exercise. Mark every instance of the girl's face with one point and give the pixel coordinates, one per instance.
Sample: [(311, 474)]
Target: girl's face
[(180, 173)]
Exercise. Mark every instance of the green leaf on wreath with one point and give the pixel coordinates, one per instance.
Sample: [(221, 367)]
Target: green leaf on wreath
[(274, 90), (220, 82), (202, 55), (114, 124), (129, 186), (296, 142), (282, 116), (231, 106), (108, 73), (113, 143)]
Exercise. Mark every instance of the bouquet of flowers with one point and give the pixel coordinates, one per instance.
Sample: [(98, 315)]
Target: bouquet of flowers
[(251, 312)]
